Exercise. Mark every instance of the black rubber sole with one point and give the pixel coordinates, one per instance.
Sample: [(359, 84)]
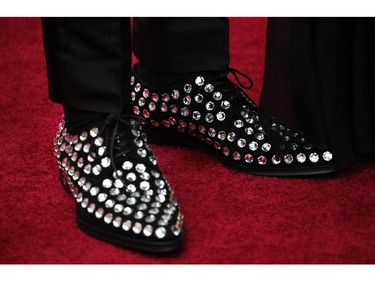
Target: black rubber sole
[(129, 242), (166, 138)]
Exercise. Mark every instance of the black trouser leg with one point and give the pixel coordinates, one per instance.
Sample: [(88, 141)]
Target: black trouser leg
[(182, 45), (88, 62)]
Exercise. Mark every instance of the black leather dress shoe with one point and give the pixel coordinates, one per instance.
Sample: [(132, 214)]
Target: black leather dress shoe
[(210, 112), (122, 197)]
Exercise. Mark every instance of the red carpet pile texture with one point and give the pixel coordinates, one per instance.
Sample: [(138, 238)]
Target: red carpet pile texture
[(230, 217)]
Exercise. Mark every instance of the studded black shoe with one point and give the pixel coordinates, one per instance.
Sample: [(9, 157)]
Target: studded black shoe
[(210, 112), (121, 195)]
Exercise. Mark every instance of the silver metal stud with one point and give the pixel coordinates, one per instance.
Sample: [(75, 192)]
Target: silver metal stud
[(127, 165), (85, 203), (276, 159), (155, 97), (160, 232), (209, 88), (314, 157), (127, 211), (186, 100), (107, 183), (196, 115), (140, 168), (209, 118), (109, 203), (221, 135), (249, 158), (137, 87), (86, 148), (131, 177), (220, 116), (117, 222), (231, 136), (288, 159), (225, 104), (184, 111), (262, 160), (266, 147), (210, 105), (108, 218), (137, 228), (102, 197), (253, 146), (86, 187), (173, 108), (114, 191), (226, 151), (301, 157), (87, 169), (121, 197), (152, 106), (91, 208), (217, 96), (259, 136), (198, 98), (238, 123), (144, 185), (199, 81), (165, 97), (101, 150), (150, 219), (327, 156), (94, 191), (148, 230), (136, 110), (164, 107), (236, 156), (96, 170), (118, 183), (187, 88), (131, 188), (99, 141), (138, 215), (241, 143), (159, 183), (127, 225), (83, 136), (142, 152), (94, 132), (99, 213), (175, 94)]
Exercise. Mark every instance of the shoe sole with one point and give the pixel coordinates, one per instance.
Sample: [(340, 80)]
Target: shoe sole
[(128, 242), (120, 240), (166, 138)]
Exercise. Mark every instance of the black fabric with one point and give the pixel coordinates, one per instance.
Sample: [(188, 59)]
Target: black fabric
[(88, 62), (320, 71), (78, 120), (89, 59), (180, 45)]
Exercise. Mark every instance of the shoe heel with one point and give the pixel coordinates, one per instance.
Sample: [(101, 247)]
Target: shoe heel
[(64, 183)]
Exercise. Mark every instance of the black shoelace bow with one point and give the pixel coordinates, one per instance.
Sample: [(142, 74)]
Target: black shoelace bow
[(117, 140), (222, 78), (238, 93), (235, 74)]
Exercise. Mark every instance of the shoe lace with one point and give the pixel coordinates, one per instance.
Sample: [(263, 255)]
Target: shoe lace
[(116, 140), (238, 85), (235, 74)]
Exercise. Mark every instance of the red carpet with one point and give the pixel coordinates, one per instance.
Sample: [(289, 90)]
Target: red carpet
[(230, 217)]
